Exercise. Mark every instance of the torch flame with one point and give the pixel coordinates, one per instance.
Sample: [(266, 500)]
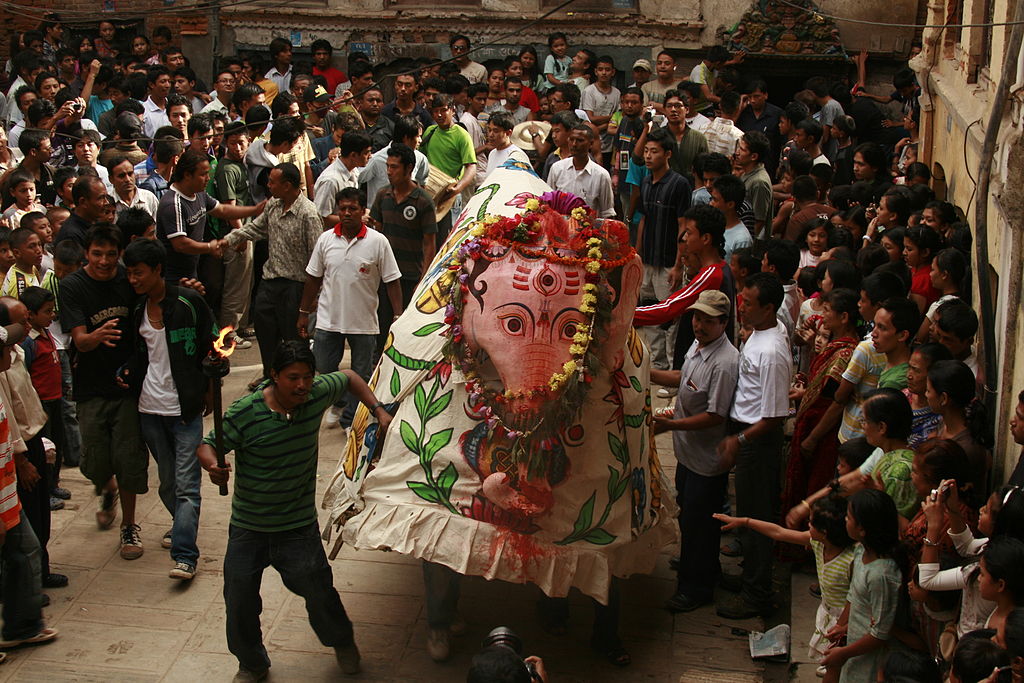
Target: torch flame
[(218, 346)]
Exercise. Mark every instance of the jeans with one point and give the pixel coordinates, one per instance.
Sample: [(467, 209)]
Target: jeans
[(173, 443), (329, 349), (757, 497), (237, 297), (22, 582), (72, 435), (275, 315), (298, 556), (441, 590), (699, 497)]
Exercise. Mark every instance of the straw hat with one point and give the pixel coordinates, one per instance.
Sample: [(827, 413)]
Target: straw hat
[(521, 137)]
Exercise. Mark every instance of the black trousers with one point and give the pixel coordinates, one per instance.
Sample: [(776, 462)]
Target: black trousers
[(698, 498), (275, 316), (35, 502)]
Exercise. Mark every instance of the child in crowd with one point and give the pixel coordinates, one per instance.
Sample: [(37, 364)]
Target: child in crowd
[(43, 363), (833, 557), (920, 245), (873, 522), (1002, 515), (6, 255), (1002, 580), (976, 656), (23, 189), (57, 215), (813, 241), (557, 64), (28, 255), (67, 258), (37, 222), (950, 278)]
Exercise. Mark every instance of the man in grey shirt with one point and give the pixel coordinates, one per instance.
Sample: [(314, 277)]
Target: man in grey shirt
[(707, 382)]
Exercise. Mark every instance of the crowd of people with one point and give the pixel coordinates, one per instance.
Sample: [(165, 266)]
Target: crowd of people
[(806, 300)]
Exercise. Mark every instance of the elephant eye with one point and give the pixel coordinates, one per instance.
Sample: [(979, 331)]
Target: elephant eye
[(512, 324), (569, 329)]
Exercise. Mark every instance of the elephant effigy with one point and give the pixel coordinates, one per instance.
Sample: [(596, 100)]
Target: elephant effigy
[(521, 445)]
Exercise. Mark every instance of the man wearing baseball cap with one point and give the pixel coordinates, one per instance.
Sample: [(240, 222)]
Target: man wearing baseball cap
[(707, 382), (641, 72), (317, 108)]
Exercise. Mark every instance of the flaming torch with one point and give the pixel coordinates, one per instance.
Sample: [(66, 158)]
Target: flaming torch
[(216, 366)]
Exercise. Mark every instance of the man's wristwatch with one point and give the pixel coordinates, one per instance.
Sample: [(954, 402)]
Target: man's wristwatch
[(3, 335)]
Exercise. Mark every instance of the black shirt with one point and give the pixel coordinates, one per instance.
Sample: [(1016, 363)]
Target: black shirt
[(74, 228), (89, 302), (662, 204)]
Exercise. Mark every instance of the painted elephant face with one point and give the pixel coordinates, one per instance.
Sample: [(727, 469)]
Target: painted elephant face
[(526, 317)]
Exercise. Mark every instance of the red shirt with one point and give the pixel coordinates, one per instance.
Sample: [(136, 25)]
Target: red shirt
[(529, 99), (708, 277), (43, 364), (334, 77), (921, 284)]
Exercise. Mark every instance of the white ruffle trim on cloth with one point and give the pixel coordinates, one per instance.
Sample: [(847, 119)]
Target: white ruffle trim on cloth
[(475, 548)]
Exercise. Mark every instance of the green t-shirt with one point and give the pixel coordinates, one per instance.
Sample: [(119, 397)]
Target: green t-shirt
[(450, 150), (894, 468), (275, 458), (894, 377)]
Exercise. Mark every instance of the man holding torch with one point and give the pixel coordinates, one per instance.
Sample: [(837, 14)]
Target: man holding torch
[(175, 333), (274, 434)]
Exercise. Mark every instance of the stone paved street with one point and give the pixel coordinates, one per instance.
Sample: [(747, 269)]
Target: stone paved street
[(127, 621)]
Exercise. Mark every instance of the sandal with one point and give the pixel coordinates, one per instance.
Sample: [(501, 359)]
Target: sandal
[(45, 635), (613, 650)]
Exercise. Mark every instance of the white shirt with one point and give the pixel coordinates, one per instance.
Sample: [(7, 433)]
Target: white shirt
[(699, 122), (723, 136), (143, 199), (13, 110), (592, 183), (766, 369), (281, 80), (497, 157), (159, 395), (156, 117), (374, 176), (352, 271), (821, 159), (214, 105), (334, 178)]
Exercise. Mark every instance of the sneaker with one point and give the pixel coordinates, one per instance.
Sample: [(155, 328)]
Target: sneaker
[(731, 549), (165, 542), (247, 332), (56, 503), (820, 672), (60, 492), (182, 571), (131, 542), (248, 676), (438, 644), (241, 342), (333, 418), (667, 392), (348, 658), (108, 510)]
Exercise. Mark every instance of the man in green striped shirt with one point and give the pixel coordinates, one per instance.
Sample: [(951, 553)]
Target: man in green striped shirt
[(274, 434)]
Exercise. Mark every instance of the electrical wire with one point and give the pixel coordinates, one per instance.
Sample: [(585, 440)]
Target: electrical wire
[(834, 17), (967, 166)]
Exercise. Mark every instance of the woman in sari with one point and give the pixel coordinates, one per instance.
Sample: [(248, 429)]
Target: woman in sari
[(812, 460)]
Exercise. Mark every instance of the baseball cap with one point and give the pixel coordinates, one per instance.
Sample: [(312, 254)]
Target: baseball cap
[(316, 93), (644, 64), (713, 302)]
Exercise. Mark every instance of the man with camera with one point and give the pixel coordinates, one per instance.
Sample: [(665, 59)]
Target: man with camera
[(501, 661)]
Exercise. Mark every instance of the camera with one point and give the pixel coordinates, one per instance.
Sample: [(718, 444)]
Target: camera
[(648, 115), (502, 636), (77, 106)]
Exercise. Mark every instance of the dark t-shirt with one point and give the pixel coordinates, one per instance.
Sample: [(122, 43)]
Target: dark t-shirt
[(89, 302), (74, 228), (405, 225), (182, 216), (662, 204)]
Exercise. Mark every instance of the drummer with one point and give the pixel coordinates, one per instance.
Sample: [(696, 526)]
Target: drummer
[(449, 148)]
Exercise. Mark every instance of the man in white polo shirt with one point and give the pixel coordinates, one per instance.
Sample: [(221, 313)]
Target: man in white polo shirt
[(346, 268)]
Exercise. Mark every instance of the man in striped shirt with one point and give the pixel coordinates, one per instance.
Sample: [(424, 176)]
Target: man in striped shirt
[(274, 434)]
